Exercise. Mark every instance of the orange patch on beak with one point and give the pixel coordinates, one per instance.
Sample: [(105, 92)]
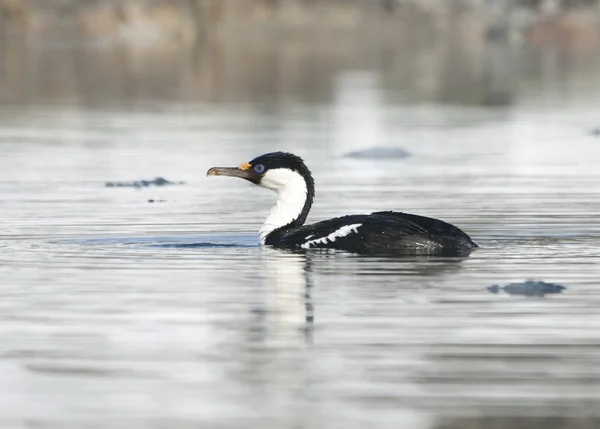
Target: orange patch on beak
[(245, 166)]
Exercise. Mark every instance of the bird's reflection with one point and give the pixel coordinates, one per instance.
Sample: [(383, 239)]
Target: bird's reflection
[(386, 265), (279, 355), (286, 313)]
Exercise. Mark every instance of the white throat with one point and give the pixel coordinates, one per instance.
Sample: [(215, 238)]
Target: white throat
[(291, 191)]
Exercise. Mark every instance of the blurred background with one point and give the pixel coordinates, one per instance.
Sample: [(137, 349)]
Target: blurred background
[(467, 52), (153, 306)]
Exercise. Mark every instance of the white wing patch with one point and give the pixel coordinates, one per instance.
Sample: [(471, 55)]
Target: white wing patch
[(342, 232)]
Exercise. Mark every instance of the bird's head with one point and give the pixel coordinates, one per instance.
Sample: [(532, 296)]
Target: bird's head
[(289, 177), (279, 171)]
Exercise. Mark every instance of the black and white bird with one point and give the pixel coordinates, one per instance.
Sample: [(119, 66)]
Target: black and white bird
[(379, 232)]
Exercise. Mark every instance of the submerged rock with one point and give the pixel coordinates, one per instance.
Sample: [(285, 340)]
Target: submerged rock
[(158, 181), (379, 153), (528, 288)]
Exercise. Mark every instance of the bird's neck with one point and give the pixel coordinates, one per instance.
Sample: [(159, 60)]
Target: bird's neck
[(291, 209)]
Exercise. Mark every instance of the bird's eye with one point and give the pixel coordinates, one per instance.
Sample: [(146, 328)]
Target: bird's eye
[(259, 168)]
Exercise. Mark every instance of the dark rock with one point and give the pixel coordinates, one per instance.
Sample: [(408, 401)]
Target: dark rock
[(528, 288), (379, 153), (494, 288), (159, 181), (596, 132)]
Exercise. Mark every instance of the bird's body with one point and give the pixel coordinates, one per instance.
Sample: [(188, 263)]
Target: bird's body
[(379, 232)]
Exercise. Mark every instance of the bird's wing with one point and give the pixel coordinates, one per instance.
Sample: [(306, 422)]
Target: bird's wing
[(431, 227), (360, 233)]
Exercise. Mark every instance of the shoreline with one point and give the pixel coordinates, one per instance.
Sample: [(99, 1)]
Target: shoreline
[(150, 22)]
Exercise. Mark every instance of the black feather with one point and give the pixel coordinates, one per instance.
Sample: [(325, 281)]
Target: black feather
[(380, 232)]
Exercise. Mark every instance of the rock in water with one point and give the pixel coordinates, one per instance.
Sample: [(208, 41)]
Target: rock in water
[(378, 153), (158, 181), (528, 288)]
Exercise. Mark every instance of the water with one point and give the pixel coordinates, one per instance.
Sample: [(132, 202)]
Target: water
[(117, 312)]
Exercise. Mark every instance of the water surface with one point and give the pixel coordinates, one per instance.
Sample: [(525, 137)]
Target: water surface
[(119, 312)]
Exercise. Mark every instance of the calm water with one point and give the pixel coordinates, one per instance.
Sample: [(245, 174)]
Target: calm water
[(117, 312)]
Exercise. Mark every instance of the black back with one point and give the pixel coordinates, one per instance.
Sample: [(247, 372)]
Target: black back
[(380, 232)]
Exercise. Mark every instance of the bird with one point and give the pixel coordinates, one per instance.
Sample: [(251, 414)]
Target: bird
[(381, 232)]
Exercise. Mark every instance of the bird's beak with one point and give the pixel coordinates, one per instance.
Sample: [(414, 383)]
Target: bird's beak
[(244, 171)]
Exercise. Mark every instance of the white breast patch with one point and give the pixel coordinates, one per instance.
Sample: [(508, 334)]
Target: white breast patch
[(342, 232), (291, 195)]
